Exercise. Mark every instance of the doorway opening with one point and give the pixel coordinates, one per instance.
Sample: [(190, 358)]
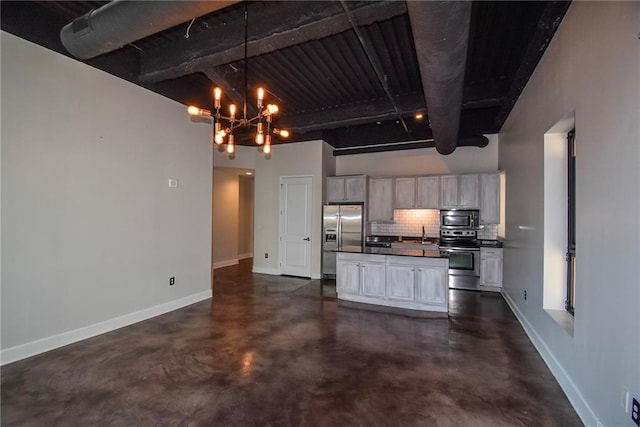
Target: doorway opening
[(232, 219)]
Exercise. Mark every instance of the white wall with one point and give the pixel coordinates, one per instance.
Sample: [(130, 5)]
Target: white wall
[(422, 161), (245, 217), (592, 67), (226, 197), (90, 230), (302, 158)]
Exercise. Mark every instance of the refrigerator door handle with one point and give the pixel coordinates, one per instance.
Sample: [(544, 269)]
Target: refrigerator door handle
[(339, 236)]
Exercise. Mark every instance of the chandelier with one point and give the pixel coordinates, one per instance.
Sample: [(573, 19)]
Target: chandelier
[(224, 126)]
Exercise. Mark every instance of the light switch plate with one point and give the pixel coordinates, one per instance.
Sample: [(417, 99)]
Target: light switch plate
[(173, 183)]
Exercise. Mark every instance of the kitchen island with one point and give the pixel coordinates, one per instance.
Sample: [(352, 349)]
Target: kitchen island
[(410, 279)]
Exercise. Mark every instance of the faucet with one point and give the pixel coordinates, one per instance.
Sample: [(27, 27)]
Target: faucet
[(424, 236)]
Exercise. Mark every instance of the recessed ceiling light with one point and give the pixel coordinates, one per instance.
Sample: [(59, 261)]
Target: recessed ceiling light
[(248, 173), (419, 116)]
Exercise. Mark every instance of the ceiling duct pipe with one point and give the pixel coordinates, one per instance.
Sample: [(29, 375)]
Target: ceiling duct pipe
[(441, 36), (119, 23)]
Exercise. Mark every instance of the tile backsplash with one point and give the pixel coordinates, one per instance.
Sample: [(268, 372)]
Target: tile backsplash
[(409, 222), (488, 232)]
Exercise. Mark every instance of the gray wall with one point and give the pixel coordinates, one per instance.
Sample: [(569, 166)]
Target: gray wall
[(591, 67), (90, 230)]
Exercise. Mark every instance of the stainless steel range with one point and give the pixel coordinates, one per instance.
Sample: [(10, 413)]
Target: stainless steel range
[(463, 248)]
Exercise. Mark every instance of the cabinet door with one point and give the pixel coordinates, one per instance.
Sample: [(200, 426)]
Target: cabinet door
[(431, 285), (449, 191), (400, 282), (468, 196), (373, 279), (428, 192), (348, 277), (491, 267), (354, 188), (490, 198), (381, 199), (335, 190), (405, 192)]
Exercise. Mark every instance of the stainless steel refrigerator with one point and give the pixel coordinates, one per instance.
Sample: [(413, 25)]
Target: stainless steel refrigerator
[(341, 229)]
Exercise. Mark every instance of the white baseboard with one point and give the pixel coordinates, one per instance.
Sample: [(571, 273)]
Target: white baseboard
[(225, 263), (245, 256), (576, 399), (266, 270), (42, 345)]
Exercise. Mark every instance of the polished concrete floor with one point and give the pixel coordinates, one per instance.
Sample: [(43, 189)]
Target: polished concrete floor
[(280, 351)]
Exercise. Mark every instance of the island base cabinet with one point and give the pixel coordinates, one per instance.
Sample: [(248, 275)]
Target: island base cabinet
[(348, 277), (414, 283), (400, 282), (373, 280), (432, 286)]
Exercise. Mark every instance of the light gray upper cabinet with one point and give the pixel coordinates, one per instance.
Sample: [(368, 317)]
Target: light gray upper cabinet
[(421, 192), (380, 199), (428, 192), (468, 191), (342, 189), (405, 192), (449, 191), (490, 198), (459, 191)]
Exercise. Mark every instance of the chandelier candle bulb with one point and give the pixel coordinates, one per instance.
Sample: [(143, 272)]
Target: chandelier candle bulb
[(217, 95), (230, 144), (232, 111), (218, 133), (260, 134), (260, 97)]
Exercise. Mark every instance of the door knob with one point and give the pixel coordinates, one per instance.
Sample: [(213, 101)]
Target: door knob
[(307, 239)]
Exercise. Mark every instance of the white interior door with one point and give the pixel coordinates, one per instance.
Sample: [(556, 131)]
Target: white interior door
[(295, 225)]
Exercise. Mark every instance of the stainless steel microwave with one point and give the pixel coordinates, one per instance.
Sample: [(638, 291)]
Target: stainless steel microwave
[(459, 219)]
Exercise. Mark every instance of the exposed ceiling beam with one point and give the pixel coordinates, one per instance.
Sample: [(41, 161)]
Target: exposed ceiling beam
[(475, 141), (352, 115), (223, 45), (546, 28)]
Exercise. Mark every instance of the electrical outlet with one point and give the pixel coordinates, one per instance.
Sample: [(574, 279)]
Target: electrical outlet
[(635, 411), (266, 255), (525, 294), (172, 281)]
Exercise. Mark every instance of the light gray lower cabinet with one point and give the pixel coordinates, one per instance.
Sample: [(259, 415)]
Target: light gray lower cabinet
[(490, 268), (415, 283), (400, 282), (373, 279), (380, 199), (432, 286), (348, 272)]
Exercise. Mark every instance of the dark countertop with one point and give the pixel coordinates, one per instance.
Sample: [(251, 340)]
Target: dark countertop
[(488, 243), (396, 252)]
